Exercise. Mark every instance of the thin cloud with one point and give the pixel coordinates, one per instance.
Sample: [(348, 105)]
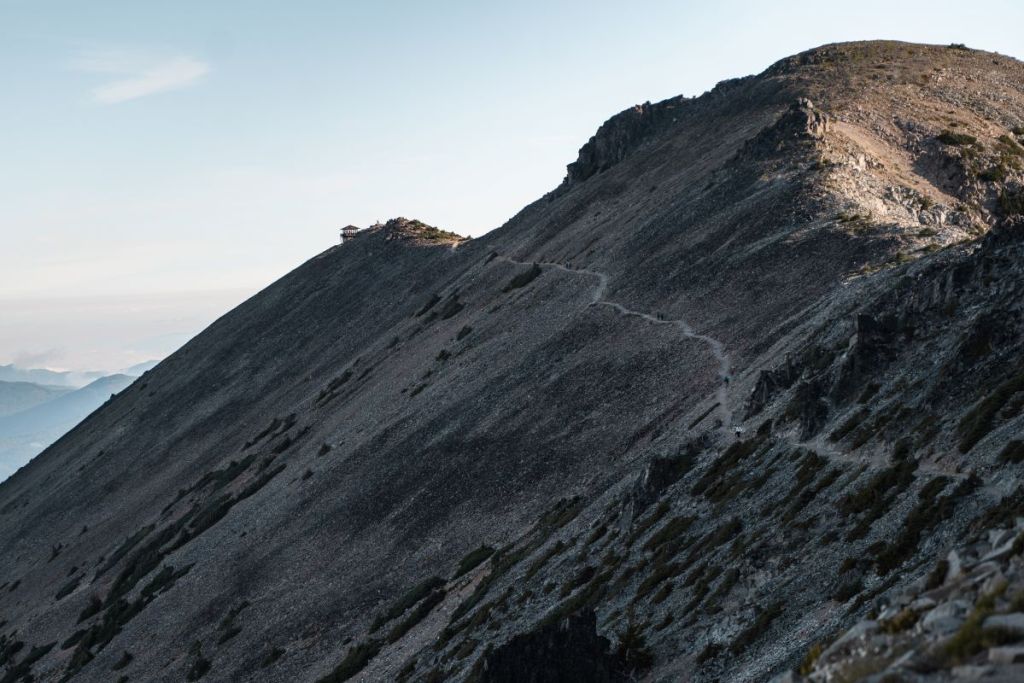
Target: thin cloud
[(141, 76)]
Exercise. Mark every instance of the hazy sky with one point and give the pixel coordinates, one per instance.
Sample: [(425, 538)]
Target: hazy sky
[(192, 152)]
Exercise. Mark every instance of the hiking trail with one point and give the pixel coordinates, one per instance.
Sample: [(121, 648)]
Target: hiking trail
[(597, 299)]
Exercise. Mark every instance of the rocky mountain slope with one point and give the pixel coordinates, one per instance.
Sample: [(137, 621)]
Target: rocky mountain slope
[(735, 386)]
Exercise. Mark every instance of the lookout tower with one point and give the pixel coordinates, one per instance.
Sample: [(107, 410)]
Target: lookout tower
[(348, 232)]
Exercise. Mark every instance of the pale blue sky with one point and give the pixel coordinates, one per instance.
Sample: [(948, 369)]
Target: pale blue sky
[(199, 147)]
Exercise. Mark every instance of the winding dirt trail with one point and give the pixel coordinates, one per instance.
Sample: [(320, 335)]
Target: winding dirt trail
[(598, 299)]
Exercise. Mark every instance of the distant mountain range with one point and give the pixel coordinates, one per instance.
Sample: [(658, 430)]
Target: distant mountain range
[(62, 378), (38, 406), (18, 396)]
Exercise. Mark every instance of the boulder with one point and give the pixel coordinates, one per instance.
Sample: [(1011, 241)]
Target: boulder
[(1013, 623), (858, 631), (946, 618), (1006, 655)]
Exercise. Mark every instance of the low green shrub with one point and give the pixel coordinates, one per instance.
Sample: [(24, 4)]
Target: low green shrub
[(472, 560), (948, 137), (523, 279), (1013, 452), (632, 650), (417, 615), (980, 420), (408, 599), (756, 629), (355, 660)]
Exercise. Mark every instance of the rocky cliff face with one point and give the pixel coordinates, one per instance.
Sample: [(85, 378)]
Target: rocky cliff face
[(733, 387)]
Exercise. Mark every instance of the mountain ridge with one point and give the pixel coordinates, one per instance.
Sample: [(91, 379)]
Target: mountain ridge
[(417, 459)]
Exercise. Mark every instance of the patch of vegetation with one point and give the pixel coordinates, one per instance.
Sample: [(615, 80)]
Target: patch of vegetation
[(8, 648), (930, 511), (355, 660), (708, 653), (904, 620), (329, 392), (725, 586), (597, 534), (980, 420), (994, 174), (663, 593), (464, 332), (501, 562), (1013, 452), (432, 234), (872, 497), (952, 138), (472, 560), (673, 529), (434, 300), (91, 609), (563, 512), (972, 638), (810, 659), (556, 548), (1011, 203), (277, 426), (417, 615), (700, 418), (68, 588), (937, 576), (200, 665), (22, 671), (227, 628), (116, 614), (647, 522), (714, 483), (1002, 513), (844, 217), (126, 546), (632, 650), (272, 656), (588, 596), (869, 392), (810, 465), (850, 424), (582, 578), (756, 629), (410, 598), (661, 571), (725, 533), (125, 660), (523, 279), (1010, 151), (451, 307), (848, 588)]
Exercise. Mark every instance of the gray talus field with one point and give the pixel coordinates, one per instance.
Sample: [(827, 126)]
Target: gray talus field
[(734, 386)]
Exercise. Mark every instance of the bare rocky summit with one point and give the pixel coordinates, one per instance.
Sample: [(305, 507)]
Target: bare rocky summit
[(741, 398)]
